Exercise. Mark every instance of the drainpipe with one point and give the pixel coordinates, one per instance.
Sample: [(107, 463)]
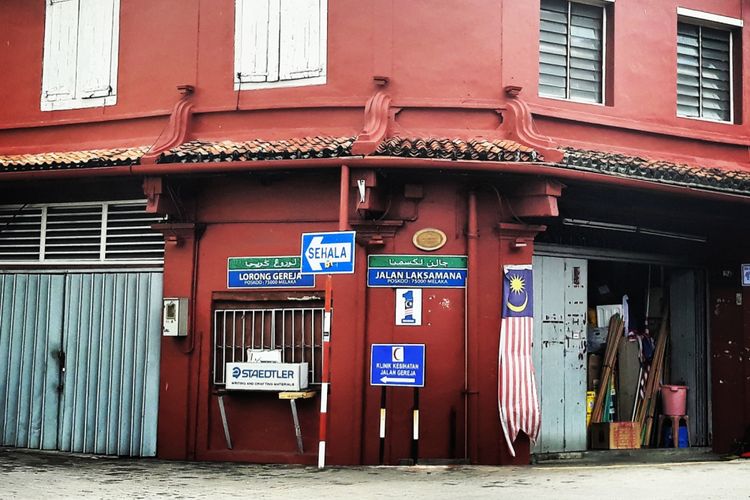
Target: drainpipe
[(470, 329), (344, 199)]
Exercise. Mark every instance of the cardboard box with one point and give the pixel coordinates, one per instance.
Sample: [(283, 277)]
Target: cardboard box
[(615, 435)]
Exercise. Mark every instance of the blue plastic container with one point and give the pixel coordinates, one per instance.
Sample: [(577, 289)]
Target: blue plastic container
[(682, 441)]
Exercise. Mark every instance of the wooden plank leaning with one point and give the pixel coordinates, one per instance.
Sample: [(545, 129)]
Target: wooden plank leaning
[(647, 408), (614, 333)]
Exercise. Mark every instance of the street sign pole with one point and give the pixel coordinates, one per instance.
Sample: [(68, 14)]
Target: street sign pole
[(415, 428), (326, 374), (327, 253), (382, 425)]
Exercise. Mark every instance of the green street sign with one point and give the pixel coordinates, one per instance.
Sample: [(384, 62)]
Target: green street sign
[(263, 263), (417, 261)]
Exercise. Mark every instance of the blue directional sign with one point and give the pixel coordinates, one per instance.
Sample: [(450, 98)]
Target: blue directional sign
[(328, 253), (398, 365)]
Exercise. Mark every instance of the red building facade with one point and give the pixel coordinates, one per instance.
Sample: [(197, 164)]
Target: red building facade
[(388, 119)]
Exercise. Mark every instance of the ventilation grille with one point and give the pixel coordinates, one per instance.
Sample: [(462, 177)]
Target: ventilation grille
[(20, 233), (109, 232)]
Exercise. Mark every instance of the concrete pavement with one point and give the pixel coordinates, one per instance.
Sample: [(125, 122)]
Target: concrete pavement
[(25, 474)]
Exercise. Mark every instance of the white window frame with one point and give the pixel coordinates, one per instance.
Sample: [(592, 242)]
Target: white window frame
[(280, 83), (605, 20), (729, 24), (79, 102)]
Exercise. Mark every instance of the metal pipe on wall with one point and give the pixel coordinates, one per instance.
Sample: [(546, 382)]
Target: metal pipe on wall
[(471, 318), (344, 199)]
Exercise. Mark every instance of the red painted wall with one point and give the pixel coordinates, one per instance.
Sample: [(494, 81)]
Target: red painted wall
[(436, 68)]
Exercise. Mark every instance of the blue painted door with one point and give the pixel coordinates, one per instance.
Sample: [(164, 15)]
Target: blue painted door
[(560, 352), (82, 369)]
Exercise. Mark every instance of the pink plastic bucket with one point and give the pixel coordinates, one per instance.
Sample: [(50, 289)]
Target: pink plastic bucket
[(674, 399)]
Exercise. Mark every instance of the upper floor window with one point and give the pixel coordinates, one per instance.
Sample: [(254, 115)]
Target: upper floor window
[(704, 66), (80, 54), (280, 43), (571, 49)]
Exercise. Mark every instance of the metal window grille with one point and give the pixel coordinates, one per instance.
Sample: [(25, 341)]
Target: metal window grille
[(571, 47), (69, 233), (704, 72), (297, 332)]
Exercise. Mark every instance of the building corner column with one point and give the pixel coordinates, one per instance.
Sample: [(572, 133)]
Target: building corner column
[(516, 248), (178, 385)]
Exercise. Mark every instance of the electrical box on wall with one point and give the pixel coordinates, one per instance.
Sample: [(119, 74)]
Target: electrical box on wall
[(174, 317)]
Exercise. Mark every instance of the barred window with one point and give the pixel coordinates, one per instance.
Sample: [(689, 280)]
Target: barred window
[(571, 51), (293, 329)]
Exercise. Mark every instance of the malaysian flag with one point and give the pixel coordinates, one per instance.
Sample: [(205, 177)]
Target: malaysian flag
[(517, 397)]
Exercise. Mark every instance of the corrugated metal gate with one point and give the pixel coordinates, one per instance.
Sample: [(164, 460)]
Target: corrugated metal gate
[(79, 349), (79, 361), (30, 338)]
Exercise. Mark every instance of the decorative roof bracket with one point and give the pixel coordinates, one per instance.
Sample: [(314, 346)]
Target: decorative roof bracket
[(377, 120), (519, 123), (177, 130)]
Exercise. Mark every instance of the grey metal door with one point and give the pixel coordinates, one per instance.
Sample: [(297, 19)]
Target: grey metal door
[(111, 385), (31, 308), (560, 352), (83, 361), (688, 345)]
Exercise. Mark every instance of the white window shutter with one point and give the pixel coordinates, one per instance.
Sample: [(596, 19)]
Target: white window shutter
[(97, 46), (256, 57), (60, 43), (303, 29)]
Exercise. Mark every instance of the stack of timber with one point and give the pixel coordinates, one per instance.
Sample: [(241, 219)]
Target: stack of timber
[(616, 326), (647, 406)]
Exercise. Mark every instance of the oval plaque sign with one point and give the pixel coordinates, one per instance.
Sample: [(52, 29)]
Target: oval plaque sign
[(429, 239)]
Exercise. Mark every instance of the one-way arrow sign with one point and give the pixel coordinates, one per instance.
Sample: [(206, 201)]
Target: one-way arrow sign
[(328, 253), (395, 380)]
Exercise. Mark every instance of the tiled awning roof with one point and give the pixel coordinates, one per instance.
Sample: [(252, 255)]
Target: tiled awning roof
[(606, 163), (72, 159), (635, 167), (289, 149), (457, 149)]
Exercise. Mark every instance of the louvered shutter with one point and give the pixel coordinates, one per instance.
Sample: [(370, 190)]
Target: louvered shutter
[(301, 43), (553, 49), (688, 70), (257, 40), (571, 50), (703, 72), (60, 43), (96, 46), (585, 53), (715, 75)]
